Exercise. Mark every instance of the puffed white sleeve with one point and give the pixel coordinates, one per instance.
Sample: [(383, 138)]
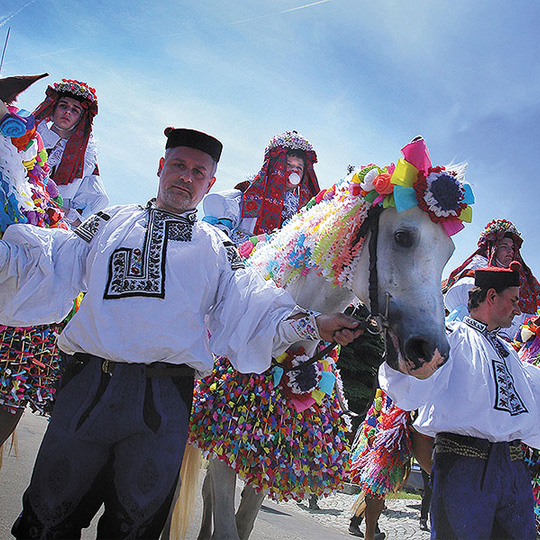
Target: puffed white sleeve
[(457, 298), (223, 209), (91, 196), (408, 392), (244, 321), (41, 272)]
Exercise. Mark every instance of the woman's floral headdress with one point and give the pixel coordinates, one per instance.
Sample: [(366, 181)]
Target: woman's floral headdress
[(77, 88), (496, 230)]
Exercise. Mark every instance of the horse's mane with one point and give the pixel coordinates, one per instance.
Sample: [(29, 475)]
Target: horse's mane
[(324, 236), (329, 232)]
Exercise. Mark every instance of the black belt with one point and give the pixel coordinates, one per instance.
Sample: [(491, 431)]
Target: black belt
[(474, 447), (156, 369)]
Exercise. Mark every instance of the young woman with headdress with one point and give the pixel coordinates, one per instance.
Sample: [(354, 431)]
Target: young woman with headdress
[(64, 120), (284, 184)]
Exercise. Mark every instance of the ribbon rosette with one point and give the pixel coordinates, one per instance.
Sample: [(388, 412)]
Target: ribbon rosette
[(16, 123), (437, 191)]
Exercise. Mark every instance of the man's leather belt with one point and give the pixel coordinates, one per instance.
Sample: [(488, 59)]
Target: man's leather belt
[(474, 447), (156, 369)]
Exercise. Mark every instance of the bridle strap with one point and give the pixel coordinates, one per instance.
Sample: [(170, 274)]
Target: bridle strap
[(380, 318), (373, 273)]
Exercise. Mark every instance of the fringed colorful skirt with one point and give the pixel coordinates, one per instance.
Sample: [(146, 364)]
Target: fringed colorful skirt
[(253, 423), (381, 454), (29, 367)]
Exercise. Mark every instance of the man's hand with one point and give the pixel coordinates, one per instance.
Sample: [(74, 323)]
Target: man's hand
[(338, 327)]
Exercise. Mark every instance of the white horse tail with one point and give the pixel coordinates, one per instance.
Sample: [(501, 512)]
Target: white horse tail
[(13, 447), (359, 505), (189, 475)]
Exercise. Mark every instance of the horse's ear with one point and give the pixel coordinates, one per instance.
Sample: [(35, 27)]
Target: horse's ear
[(417, 138), (11, 87)]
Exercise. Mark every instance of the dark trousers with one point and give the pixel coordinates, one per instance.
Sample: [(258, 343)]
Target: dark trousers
[(426, 496), (479, 499), (116, 439)]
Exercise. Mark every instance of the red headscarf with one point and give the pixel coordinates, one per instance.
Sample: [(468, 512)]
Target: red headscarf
[(264, 197), (72, 164), (495, 231)]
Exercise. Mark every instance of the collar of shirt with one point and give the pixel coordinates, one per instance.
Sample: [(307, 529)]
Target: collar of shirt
[(190, 215), (490, 335)]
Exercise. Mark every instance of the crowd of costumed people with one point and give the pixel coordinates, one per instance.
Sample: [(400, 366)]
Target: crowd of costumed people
[(282, 431)]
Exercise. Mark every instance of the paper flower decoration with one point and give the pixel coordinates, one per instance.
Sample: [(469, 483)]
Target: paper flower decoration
[(414, 182), (77, 88)]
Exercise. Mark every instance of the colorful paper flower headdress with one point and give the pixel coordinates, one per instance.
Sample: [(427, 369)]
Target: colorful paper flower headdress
[(496, 230), (414, 182), (77, 88)]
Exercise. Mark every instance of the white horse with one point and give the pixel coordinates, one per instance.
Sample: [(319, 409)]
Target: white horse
[(400, 273)]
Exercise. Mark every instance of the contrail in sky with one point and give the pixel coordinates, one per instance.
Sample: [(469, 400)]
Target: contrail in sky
[(280, 12), (7, 19)]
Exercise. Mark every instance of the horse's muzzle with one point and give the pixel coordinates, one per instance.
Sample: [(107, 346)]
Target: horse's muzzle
[(419, 356)]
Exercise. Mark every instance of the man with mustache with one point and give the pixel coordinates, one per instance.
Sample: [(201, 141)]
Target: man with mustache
[(478, 406), (157, 281)]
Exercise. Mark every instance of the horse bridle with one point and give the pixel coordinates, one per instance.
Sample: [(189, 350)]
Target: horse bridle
[(380, 320)]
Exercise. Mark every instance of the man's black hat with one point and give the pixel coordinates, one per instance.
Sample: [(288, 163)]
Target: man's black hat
[(498, 278), (194, 139)]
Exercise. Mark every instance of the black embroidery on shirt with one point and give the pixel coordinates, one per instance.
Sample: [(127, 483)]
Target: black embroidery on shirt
[(88, 228), (233, 256), (507, 398), (141, 272)]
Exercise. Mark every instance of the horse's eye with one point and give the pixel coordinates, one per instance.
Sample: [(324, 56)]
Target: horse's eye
[(404, 238)]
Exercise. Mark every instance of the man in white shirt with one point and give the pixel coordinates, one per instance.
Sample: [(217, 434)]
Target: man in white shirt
[(155, 279), (479, 406), (64, 121), (499, 244)]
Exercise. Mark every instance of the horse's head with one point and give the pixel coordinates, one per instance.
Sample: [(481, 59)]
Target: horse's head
[(424, 206), (411, 253)]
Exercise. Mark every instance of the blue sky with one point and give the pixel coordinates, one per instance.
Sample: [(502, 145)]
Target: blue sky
[(359, 79)]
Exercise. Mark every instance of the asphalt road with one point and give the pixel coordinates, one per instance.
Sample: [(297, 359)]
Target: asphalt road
[(284, 522)]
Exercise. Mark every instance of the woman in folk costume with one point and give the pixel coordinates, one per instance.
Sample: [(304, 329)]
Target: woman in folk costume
[(64, 121), (380, 462), (285, 183), (499, 244), (28, 356)]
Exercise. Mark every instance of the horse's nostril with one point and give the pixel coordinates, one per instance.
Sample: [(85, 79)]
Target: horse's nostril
[(418, 348)]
